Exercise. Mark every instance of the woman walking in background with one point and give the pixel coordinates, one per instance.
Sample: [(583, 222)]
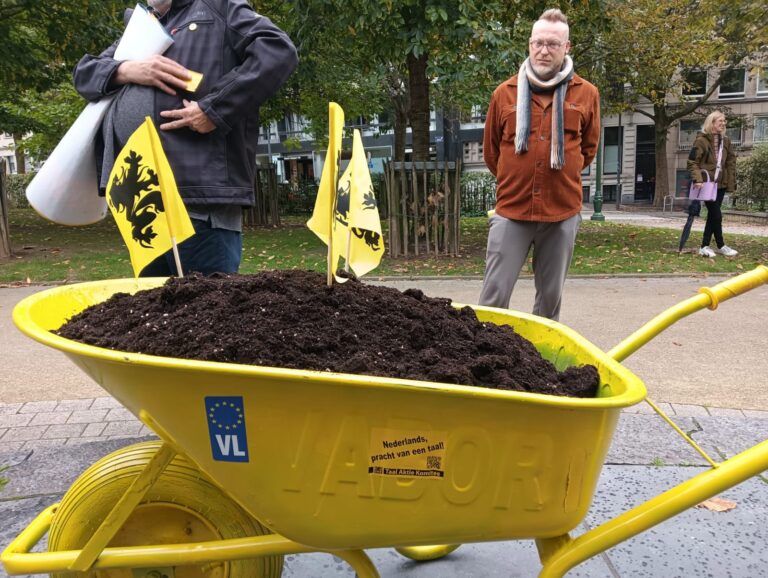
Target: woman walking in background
[(712, 152)]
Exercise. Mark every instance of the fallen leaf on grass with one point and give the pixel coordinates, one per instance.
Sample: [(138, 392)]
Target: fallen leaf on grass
[(717, 505)]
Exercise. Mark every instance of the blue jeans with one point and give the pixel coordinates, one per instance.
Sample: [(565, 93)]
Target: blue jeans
[(208, 251)]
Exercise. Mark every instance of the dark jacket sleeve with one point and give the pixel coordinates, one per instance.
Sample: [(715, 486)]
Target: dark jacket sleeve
[(93, 74), (267, 58)]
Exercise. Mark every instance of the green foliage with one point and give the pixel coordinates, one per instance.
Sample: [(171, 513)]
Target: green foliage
[(357, 53), (752, 178), (49, 114), (15, 187), (42, 41)]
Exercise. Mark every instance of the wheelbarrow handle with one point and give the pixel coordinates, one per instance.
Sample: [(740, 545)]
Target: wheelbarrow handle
[(708, 297)]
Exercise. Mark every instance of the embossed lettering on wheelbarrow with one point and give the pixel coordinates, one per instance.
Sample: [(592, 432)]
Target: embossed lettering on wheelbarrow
[(514, 465), (332, 462)]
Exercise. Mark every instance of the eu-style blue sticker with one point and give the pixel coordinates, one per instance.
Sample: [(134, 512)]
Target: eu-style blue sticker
[(226, 426)]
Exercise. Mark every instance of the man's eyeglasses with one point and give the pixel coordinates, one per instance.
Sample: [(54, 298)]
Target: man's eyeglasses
[(550, 44)]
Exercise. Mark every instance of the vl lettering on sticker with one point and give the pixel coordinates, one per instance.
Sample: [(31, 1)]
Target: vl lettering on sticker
[(407, 453), (226, 426)]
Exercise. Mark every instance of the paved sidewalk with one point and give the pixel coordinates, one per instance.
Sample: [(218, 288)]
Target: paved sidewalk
[(46, 424), (675, 220)]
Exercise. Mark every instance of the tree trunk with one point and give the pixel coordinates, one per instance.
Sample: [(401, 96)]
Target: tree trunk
[(661, 128), (5, 238), (21, 165), (418, 88), (400, 126)]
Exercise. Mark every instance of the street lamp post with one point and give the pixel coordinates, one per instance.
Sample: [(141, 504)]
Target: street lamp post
[(621, 165), (597, 200)]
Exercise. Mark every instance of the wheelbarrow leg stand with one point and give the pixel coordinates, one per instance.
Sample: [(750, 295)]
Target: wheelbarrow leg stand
[(560, 554)]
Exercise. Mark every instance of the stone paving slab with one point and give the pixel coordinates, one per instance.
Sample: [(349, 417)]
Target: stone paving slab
[(697, 543), (727, 436), (646, 440)]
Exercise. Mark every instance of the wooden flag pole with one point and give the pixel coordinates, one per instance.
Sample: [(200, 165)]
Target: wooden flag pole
[(334, 191), (176, 257), (349, 245), (335, 184), (161, 178)]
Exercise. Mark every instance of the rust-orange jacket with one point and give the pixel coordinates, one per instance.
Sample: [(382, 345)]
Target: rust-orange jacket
[(527, 189)]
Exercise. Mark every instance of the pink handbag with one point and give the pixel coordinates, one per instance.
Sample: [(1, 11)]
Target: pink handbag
[(707, 191)]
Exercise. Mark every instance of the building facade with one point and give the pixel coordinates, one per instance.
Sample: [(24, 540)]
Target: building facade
[(629, 149), (7, 153), (628, 143)]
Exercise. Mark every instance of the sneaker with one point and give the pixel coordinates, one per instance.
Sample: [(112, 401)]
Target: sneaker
[(727, 251), (707, 252)]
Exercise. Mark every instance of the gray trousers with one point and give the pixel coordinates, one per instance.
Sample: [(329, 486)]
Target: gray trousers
[(509, 242)]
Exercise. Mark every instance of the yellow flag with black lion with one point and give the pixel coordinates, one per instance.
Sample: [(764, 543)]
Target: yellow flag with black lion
[(144, 200)]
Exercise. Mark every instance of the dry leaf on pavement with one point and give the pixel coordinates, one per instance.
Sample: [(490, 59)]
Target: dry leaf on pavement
[(717, 505)]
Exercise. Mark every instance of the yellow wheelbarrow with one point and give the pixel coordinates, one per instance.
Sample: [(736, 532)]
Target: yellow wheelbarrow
[(255, 463)]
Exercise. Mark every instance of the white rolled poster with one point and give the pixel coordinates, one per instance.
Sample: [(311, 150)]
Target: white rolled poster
[(66, 189)]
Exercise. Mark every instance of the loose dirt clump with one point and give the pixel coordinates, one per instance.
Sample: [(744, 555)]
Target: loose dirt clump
[(292, 319)]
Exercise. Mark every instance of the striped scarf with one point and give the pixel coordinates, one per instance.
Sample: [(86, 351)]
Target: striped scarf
[(528, 82)]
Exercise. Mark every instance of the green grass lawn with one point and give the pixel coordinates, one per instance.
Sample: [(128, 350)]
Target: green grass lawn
[(48, 253)]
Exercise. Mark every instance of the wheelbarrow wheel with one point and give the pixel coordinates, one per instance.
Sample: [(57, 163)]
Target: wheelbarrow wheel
[(425, 553), (182, 506)]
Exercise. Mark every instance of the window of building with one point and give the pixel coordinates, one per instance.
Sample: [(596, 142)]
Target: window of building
[(478, 114), (10, 164), (734, 133), (762, 82), (357, 122), (609, 192), (695, 83), (688, 130), (733, 83), (761, 129), (611, 148), (473, 152)]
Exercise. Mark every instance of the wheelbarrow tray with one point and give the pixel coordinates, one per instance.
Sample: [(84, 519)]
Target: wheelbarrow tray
[(301, 455)]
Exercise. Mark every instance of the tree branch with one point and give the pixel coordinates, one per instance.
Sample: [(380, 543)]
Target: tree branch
[(691, 106)]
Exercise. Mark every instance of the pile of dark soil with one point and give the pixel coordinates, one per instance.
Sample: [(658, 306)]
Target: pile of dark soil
[(292, 319)]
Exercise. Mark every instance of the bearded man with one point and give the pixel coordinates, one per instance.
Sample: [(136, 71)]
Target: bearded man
[(541, 131)]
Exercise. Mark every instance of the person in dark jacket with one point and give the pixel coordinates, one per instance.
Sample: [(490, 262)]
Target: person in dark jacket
[(209, 136), (712, 152)]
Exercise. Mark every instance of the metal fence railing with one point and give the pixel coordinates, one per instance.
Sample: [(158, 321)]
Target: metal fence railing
[(478, 196)]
